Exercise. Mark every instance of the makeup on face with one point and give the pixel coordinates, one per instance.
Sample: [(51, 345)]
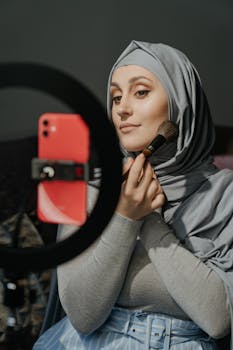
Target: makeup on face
[(139, 106)]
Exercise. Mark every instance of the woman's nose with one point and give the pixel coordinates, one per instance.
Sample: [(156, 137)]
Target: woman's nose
[(124, 108)]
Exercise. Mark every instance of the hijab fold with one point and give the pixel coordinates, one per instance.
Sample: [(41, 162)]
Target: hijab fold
[(199, 196)]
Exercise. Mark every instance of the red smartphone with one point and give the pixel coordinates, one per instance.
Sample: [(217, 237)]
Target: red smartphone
[(63, 137)]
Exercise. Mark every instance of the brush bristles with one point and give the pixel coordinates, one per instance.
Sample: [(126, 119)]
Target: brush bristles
[(169, 130)]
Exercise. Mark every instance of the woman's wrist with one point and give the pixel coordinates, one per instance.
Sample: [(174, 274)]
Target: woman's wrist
[(128, 217)]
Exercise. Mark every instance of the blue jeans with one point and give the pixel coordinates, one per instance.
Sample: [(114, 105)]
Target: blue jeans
[(129, 330)]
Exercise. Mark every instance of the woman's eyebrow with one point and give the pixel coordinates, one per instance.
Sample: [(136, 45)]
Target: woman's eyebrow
[(114, 84), (132, 80)]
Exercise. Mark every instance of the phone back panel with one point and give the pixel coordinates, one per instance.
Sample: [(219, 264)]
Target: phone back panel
[(63, 137)]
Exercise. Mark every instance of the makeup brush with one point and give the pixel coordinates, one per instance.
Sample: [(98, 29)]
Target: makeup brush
[(167, 132)]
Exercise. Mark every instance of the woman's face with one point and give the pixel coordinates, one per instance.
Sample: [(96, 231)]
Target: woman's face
[(139, 106)]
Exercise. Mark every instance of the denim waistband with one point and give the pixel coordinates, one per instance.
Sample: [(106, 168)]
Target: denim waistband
[(157, 331)]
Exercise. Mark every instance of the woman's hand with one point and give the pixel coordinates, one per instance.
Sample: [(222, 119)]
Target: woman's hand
[(141, 193)]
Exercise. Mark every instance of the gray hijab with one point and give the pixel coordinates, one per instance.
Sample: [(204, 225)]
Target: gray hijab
[(199, 196)]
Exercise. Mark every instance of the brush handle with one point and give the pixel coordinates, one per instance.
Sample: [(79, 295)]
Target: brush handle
[(158, 141)]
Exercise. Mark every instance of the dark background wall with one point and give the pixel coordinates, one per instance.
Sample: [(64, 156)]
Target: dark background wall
[(84, 38)]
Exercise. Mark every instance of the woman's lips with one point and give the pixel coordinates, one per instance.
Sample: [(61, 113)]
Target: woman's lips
[(125, 128)]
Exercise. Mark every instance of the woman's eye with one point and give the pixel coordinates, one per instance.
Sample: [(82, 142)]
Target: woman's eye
[(116, 99), (142, 93)]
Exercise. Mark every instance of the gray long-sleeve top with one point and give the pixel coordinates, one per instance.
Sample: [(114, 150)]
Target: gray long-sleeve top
[(140, 265)]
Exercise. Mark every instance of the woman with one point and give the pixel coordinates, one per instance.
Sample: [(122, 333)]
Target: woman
[(160, 275)]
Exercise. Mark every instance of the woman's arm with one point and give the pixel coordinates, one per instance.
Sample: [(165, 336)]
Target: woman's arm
[(196, 288), (89, 284)]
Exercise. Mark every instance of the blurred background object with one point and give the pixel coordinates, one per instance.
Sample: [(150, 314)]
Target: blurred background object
[(18, 198)]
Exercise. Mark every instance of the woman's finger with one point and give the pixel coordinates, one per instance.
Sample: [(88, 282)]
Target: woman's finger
[(127, 164), (153, 189), (158, 201), (146, 177), (135, 171)]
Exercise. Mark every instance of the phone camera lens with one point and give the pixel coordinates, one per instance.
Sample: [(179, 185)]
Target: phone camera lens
[(45, 133), (45, 122)]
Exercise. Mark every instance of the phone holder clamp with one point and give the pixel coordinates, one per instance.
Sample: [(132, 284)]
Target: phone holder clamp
[(50, 170)]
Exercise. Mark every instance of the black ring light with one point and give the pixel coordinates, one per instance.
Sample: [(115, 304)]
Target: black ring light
[(65, 88)]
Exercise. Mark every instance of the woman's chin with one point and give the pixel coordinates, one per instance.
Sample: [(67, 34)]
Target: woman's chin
[(132, 144), (133, 149)]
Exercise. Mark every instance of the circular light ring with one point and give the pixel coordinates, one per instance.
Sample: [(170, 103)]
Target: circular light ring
[(71, 92)]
